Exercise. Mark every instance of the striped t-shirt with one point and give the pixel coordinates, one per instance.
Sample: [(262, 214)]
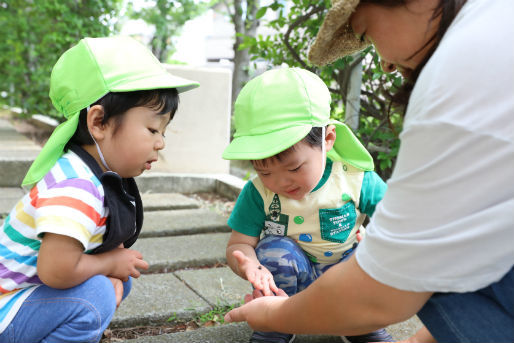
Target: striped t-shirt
[(68, 201)]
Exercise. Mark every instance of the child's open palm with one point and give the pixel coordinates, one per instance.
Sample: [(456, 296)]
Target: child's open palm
[(258, 275)]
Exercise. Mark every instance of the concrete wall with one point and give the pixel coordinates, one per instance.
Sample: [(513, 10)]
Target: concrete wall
[(200, 130)]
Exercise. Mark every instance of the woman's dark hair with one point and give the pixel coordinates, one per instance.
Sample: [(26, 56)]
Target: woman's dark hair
[(115, 104), (314, 138), (447, 10)]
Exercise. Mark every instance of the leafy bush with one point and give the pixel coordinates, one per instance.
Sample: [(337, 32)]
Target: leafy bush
[(34, 34)]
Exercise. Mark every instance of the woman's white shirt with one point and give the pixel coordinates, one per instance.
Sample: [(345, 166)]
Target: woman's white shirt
[(446, 223)]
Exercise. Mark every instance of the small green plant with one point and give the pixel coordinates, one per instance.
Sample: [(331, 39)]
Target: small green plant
[(214, 316), (172, 318)]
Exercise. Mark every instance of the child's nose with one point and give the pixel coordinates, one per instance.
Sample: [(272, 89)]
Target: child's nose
[(161, 143), (285, 181)]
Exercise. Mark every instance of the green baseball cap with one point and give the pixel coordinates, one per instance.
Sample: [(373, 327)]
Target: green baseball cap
[(88, 71), (278, 108)]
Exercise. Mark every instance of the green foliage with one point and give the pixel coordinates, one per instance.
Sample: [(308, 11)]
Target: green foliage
[(296, 27), (173, 317), (34, 34), (167, 17), (216, 315)]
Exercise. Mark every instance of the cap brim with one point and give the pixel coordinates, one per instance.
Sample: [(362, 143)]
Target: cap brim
[(159, 81), (52, 150), (258, 147), (335, 38)]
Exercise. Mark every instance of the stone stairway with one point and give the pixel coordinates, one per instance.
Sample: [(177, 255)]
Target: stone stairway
[(184, 243)]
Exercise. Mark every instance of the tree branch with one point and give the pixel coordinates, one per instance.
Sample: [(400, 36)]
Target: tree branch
[(299, 21), (230, 14), (375, 148)]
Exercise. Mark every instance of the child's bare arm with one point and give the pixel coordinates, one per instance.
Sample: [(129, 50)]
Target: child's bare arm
[(242, 259), (63, 264)]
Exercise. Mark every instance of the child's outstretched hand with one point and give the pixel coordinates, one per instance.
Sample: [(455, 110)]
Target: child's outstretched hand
[(259, 276), (125, 263)]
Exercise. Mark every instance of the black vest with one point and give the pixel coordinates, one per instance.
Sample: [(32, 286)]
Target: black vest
[(122, 197)]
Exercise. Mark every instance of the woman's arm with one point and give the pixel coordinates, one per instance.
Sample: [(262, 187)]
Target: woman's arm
[(343, 301), (62, 263)]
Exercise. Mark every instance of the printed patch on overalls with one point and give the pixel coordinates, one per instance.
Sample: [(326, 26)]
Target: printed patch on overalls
[(337, 223), (276, 222)]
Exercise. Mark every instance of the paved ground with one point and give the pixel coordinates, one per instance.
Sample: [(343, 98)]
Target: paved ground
[(184, 244)]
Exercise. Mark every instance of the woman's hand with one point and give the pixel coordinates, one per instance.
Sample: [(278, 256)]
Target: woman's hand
[(259, 276), (256, 309)]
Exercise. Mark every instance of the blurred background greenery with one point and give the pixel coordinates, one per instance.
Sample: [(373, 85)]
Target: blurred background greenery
[(36, 32)]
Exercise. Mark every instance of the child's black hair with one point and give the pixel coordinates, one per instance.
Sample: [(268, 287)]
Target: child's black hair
[(314, 138), (115, 104)]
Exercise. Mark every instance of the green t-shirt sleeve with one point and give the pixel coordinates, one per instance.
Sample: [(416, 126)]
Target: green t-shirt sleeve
[(372, 191), (248, 214)]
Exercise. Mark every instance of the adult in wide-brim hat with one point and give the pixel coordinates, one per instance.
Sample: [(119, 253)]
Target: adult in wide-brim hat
[(439, 244)]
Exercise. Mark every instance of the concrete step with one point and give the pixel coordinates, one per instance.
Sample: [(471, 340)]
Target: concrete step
[(167, 201), (234, 333), (179, 252), (218, 286), (182, 222), (9, 196), (241, 332), (156, 297), (17, 153), (10, 138), (151, 201)]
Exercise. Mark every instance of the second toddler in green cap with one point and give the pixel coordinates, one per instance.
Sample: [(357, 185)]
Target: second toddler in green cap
[(315, 185)]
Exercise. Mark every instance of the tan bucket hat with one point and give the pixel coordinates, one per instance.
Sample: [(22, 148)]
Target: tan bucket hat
[(336, 38)]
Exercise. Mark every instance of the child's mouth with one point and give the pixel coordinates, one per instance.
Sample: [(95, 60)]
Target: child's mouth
[(293, 191), (148, 165)]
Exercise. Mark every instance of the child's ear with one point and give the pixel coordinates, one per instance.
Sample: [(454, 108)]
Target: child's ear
[(330, 137), (95, 116)]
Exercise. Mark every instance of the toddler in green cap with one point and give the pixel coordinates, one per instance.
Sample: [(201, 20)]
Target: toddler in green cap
[(315, 185), (65, 262)]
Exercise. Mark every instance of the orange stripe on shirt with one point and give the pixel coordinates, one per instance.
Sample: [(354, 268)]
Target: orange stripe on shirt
[(69, 202), (33, 192), (4, 291)]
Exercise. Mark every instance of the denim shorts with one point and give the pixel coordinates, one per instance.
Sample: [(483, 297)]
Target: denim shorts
[(486, 315)]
